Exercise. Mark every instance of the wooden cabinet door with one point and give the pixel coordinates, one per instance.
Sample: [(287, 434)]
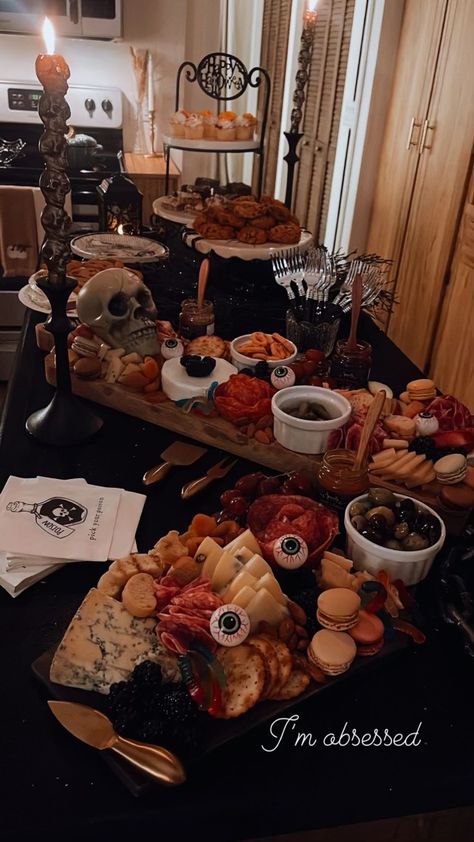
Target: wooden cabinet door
[(418, 50), (453, 353), (439, 189)]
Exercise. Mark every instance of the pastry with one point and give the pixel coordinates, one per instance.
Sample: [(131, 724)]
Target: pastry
[(368, 633), (225, 125), (338, 609), (333, 652), (194, 127), (177, 122), (209, 122), (245, 126), (285, 232), (451, 469), (400, 424), (421, 390)]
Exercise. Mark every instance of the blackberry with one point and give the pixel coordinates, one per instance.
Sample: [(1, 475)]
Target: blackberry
[(147, 674), (423, 445), (307, 600), (446, 451), (152, 730), (262, 369), (175, 704)]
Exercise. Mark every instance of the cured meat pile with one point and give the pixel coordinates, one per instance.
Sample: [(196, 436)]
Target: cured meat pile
[(274, 515), (451, 413), (243, 397), (348, 436), (184, 614)]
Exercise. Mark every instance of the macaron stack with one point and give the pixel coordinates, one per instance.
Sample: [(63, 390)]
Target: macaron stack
[(338, 609), (451, 469), (421, 390), (332, 651), (368, 634)]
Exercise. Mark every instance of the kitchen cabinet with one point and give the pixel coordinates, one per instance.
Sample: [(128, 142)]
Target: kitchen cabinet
[(79, 18), (149, 175), (424, 165)]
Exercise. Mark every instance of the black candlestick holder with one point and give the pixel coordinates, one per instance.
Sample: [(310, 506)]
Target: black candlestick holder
[(294, 136), (66, 420)]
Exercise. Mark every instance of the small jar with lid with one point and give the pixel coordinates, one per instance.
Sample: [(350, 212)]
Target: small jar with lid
[(195, 319), (350, 367), (337, 481)]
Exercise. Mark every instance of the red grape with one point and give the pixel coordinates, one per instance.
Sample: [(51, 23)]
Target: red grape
[(238, 505), (227, 496), (297, 483), (247, 485), (314, 354), (269, 485)]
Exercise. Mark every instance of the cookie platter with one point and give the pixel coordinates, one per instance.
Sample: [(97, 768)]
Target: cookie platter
[(244, 251), (192, 651)]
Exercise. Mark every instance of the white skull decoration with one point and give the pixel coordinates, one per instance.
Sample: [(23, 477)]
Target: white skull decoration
[(119, 309)]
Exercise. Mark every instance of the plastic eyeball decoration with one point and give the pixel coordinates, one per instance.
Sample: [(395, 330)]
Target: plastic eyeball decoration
[(290, 552), (171, 348), (426, 424), (282, 376), (229, 625)]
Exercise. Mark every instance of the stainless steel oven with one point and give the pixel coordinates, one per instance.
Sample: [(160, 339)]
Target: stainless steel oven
[(80, 18)]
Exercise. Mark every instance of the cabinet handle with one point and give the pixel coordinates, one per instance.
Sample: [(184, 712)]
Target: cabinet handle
[(410, 141), (423, 145)]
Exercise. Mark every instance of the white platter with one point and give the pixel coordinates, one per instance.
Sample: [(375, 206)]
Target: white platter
[(245, 251), (119, 247), (203, 145), (170, 214), (33, 297)]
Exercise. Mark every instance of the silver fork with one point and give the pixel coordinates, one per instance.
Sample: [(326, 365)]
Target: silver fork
[(282, 273), (218, 471)]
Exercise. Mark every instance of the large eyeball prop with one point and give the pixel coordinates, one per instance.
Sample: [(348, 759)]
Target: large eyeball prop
[(171, 348), (229, 625), (290, 551), (282, 376)]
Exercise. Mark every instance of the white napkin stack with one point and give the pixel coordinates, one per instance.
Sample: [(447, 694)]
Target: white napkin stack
[(46, 523)]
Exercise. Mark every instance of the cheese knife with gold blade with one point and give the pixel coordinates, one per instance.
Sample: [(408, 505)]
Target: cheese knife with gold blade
[(95, 729)]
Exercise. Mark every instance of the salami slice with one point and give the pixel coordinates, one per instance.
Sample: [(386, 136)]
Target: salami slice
[(274, 515)]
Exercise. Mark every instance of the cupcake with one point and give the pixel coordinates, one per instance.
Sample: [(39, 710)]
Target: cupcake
[(194, 127), (225, 126), (177, 122), (209, 120), (245, 126)]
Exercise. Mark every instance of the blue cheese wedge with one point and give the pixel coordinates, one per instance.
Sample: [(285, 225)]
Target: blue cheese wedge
[(227, 569), (246, 539), (208, 554), (103, 643)]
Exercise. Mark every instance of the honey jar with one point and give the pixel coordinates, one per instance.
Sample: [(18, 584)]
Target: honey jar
[(196, 320), (350, 367), (337, 481)]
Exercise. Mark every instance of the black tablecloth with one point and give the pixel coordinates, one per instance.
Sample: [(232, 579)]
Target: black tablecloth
[(54, 787)]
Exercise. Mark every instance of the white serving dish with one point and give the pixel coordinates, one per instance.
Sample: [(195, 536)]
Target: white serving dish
[(179, 386), (241, 361), (244, 251), (411, 567), (304, 436)]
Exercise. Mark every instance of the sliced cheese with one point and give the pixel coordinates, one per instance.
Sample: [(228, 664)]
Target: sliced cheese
[(227, 569), (244, 596), (405, 467), (241, 580), (257, 566), (424, 474), (243, 555), (208, 554), (264, 607), (332, 575), (384, 456), (246, 539), (341, 560), (102, 644), (269, 582), (396, 444)]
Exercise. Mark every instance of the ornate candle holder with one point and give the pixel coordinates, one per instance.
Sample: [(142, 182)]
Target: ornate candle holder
[(304, 66), (65, 421), (151, 131)]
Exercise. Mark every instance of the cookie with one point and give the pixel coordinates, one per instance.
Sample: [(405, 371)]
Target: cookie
[(207, 346), (249, 210), (87, 368), (266, 222), (286, 233), (214, 231), (138, 595), (252, 235)]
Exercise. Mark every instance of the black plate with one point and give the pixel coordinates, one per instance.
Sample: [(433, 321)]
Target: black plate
[(216, 732)]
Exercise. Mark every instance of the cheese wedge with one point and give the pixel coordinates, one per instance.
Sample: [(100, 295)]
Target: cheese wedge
[(243, 555), (425, 473), (244, 596), (332, 575), (257, 566), (396, 444), (208, 554), (227, 569), (342, 561), (383, 456), (243, 579), (405, 467), (271, 585), (264, 606), (246, 539)]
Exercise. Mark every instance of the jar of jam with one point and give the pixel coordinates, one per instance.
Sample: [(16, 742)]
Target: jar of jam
[(350, 367), (337, 481), (196, 320)]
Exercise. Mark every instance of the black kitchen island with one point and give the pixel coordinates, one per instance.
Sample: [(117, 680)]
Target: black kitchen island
[(54, 787)]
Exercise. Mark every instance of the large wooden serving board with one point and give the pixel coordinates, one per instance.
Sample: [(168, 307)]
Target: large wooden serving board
[(215, 732)]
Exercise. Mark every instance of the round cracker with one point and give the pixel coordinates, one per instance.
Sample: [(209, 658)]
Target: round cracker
[(245, 677), (207, 346), (296, 684), (284, 660), (270, 660)]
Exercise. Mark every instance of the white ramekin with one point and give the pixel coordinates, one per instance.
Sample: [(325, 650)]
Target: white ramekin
[(307, 436), (410, 567), (241, 361)]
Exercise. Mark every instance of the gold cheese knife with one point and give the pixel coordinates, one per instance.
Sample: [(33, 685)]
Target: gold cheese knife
[(93, 728)]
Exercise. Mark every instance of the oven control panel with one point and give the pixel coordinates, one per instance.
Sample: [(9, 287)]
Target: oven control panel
[(23, 99)]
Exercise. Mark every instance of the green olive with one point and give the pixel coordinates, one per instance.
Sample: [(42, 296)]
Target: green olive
[(384, 512), (414, 542), (401, 530), (359, 507), (381, 497), (359, 522), (392, 544)]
